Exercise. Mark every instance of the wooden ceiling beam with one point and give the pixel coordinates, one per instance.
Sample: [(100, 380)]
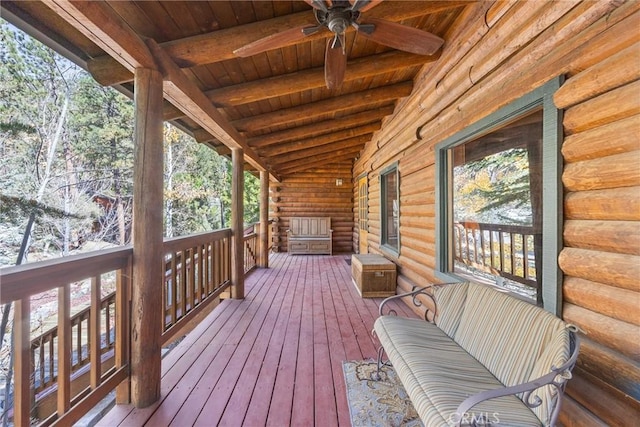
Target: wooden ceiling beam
[(320, 128), (302, 165), (99, 23), (360, 68), (219, 45), (311, 153), (319, 140), (186, 96), (170, 112), (320, 108)]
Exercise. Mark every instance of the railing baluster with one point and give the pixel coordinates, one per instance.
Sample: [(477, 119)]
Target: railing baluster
[(217, 265), (41, 364), (123, 288), (95, 352), (229, 259), (202, 293), (183, 282), (208, 274), (501, 255), (174, 288), (22, 363), (191, 280), (64, 349), (107, 325)]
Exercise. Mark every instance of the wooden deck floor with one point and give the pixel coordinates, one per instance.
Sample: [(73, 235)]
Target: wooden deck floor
[(274, 358)]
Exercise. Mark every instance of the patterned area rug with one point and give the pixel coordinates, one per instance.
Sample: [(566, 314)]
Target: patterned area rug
[(377, 403)]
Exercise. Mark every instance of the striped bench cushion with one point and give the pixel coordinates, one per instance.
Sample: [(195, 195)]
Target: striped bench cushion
[(438, 375), (515, 340)]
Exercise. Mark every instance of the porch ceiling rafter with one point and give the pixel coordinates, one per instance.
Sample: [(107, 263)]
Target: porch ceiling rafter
[(321, 128), (308, 143), (286, 84), (106, 29), (219, 45), (343, 154), (326, 106), (334, 148)]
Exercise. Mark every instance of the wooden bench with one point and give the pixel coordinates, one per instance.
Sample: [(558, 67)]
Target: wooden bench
[(310, 235), (483, 357)]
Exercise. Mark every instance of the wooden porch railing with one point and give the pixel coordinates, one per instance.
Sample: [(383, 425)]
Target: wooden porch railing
[(197, 271), (20, 284), (43, 347), (252, 247), (79, 361), (504, 250)]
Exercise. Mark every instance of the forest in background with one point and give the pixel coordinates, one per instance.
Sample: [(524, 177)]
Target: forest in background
[(66, 176), (66, 161)]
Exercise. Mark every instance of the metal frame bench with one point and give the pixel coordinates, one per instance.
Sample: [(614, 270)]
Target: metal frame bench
[(481, 357), (310, 235)]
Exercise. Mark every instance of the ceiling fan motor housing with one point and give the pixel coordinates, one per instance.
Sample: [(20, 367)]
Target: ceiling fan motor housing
[(337, 18)]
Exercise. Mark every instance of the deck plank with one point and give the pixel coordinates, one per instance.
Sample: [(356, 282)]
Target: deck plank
[(274, 358), (258, 410), (245, 348), (282, 399)]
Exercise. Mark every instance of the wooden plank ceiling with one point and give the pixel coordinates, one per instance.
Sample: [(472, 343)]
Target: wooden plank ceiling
[(274, 104)]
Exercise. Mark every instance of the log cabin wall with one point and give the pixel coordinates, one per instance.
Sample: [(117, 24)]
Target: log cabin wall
[(496, 53), (314, 193)]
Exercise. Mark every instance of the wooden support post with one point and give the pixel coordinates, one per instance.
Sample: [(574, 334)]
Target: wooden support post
[(264, 219), (146, 301), (237, 226)]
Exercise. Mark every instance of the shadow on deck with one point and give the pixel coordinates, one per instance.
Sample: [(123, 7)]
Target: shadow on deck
[(274, 358)]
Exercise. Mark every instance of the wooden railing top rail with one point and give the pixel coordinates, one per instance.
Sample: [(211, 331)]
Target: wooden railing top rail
[(179, 243), (22, 281), (519, 229)]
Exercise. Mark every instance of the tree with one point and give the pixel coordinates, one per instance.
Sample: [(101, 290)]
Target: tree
[(102, 132), (251, 198), (195, 180)]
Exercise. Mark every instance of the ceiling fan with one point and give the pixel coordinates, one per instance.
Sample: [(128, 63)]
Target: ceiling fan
[(337, 16)]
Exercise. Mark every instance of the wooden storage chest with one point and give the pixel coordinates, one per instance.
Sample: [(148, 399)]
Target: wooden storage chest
[(373, 275)]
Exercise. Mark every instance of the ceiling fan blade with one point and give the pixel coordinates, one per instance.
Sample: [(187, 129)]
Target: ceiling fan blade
[(363, 5), (318, 4), (400, 36), (335, 63), (275, 41)]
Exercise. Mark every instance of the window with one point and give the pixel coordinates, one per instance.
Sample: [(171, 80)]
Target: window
[(390, 210), (363, 208), (499, 200)]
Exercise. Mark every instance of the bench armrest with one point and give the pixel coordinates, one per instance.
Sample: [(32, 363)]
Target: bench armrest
[(416, 291), (557, 378)]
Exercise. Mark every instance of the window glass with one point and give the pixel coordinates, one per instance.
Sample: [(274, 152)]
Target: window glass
[(390, 209), (496, 204)]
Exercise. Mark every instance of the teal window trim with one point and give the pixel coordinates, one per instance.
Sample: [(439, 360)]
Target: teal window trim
[(384, 246), (552, 193)]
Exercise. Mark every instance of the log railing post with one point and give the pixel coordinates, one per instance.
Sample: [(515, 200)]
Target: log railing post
[(237, 226), (264, 219), (146, 301)]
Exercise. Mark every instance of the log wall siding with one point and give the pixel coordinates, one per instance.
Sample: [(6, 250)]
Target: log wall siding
[(314, 193), (496, 53)]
